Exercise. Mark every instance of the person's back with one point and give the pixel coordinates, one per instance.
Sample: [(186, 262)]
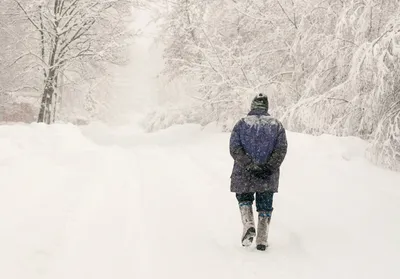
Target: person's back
[(258, 134), (258, 146)]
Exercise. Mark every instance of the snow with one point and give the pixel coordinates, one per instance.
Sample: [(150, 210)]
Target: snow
[(253, 120), (115, 202)]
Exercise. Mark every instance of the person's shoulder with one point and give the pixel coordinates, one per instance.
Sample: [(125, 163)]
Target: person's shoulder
[(238, 123), (275, 122), (271, 120)]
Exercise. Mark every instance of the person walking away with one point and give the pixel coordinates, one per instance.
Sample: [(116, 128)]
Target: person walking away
[(258, 145)]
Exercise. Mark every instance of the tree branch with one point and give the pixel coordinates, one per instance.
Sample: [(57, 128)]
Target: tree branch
[(283, 10), (26, 13)]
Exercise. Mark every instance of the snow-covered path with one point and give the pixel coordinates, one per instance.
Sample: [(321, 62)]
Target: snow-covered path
[(97, 202)]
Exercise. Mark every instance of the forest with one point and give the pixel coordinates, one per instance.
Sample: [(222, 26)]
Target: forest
[(328, 67)]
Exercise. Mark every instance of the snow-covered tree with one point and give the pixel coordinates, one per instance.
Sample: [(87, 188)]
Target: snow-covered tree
[(65, 43), (328, 66), (228, 47)]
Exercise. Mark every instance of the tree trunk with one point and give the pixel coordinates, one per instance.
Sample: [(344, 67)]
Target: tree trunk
[(55, 100), (47, 99)]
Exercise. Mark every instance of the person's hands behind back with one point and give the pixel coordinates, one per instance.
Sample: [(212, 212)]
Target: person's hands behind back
[(260, 171)]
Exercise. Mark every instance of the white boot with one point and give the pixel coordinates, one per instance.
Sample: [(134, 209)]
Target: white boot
[(249, 231), (264, 219)]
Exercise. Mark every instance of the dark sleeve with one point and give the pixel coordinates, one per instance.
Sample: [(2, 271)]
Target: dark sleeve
[(236, 149), (280, 150)]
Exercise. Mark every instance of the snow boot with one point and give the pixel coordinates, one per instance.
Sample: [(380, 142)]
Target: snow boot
[(249, 230), (264, 219)]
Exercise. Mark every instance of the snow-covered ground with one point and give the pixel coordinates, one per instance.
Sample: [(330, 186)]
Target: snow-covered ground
[(99, 202)]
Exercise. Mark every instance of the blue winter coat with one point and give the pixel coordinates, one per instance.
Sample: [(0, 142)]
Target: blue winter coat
[(258, 139)]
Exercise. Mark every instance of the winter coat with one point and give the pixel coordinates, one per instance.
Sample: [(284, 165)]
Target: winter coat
[(258, 139)]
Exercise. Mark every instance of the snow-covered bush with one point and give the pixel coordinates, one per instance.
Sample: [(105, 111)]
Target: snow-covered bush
[(385, 147), (164, 117)]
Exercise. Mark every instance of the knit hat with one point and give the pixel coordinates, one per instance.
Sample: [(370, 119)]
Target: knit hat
[(260, 102)]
